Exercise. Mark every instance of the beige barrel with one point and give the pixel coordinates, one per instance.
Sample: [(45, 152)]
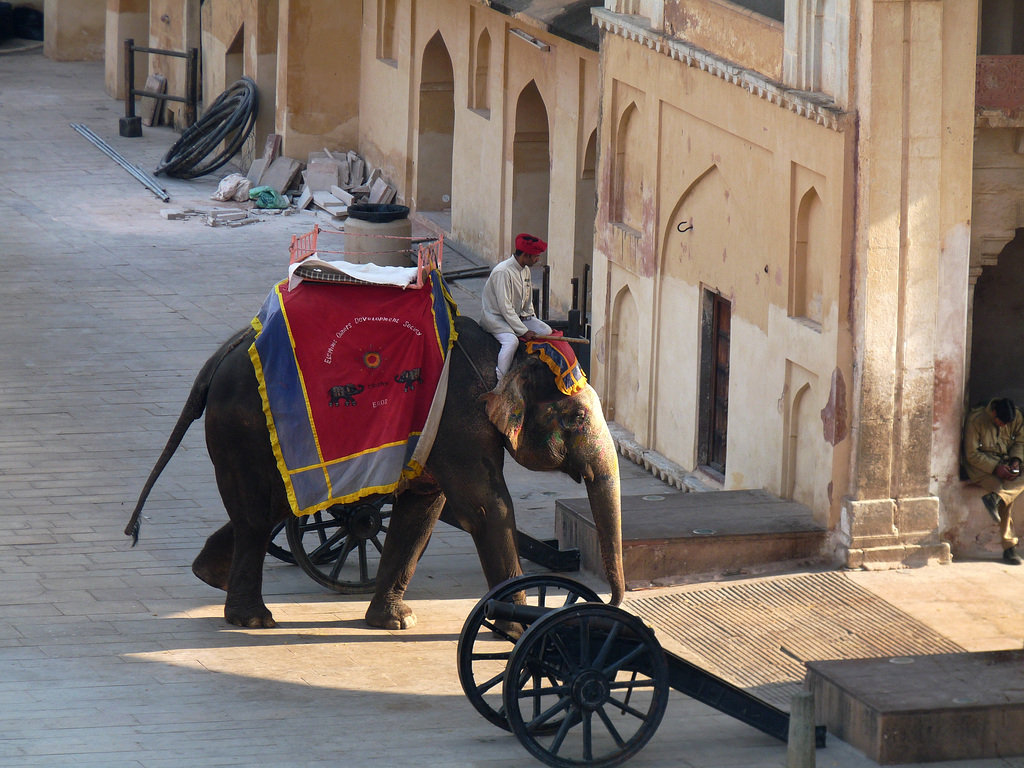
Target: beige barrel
[(384, 243)]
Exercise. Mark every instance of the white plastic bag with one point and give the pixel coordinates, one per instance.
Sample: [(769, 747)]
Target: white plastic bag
[(232, 187)]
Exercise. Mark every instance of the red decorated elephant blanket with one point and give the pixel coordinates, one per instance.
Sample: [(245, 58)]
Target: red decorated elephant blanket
[(348, 375)]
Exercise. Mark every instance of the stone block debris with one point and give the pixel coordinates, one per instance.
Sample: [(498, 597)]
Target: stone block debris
[(150, 107), (329, 180), (281, 174)]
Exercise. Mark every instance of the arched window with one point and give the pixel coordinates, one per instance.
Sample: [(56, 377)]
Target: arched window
[(386, 11), (479, 96), (806, 275), (627, 200)]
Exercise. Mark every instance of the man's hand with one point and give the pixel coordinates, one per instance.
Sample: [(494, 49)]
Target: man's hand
[(529, 336), (1004, 471)]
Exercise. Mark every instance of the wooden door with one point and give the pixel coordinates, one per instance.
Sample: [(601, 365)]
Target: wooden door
[(714, 416)]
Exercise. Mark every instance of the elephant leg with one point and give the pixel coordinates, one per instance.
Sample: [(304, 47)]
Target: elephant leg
[(491, 521), (244, 606), (493, 527), (413, 517), (213, 564)]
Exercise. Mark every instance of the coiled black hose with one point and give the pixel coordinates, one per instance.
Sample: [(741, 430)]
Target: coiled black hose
[(231, 117)]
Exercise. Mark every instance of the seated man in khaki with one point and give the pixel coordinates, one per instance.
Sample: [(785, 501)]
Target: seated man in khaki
[(993, 450)]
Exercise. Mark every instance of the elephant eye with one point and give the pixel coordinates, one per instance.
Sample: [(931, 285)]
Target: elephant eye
[(574, 422)]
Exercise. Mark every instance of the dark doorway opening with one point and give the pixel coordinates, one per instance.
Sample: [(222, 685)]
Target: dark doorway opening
[(713, 421), (997, 336)]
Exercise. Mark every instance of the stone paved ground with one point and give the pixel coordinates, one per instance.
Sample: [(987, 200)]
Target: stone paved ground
[(114, 656)]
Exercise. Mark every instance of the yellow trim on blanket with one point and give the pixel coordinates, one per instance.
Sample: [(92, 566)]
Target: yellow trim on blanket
[(275, 443), (355, 455), (560, 378), (302, 385), (453, 312)]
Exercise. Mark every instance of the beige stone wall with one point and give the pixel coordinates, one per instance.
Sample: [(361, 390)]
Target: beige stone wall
[(303, 56), (517, 156), (125, 19), (841, 247), (724, 193), (174, 26), (74, 30), (240, 39), (318, 75), (997, 192)]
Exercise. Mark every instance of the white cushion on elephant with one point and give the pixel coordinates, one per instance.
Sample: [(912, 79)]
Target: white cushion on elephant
[(338, 271)]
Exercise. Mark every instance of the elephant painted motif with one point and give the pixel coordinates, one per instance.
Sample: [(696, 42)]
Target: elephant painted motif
[(409, 379), (539, 426), (346, 392)]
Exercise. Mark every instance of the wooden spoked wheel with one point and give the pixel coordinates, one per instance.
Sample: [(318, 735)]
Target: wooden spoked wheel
[(598, 672), (485, 646), (340, 547)]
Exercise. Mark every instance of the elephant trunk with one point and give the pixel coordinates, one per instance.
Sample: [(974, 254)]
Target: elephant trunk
[(605, 504)]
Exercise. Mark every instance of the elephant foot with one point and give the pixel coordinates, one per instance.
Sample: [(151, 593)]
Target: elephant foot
[(509, 630), (260, 618), (394, 616), (213, 573)]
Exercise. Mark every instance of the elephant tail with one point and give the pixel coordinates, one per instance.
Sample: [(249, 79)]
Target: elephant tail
[(193, 409)]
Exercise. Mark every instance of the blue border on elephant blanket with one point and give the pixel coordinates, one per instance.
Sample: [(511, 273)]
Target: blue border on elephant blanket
[(313, 480)]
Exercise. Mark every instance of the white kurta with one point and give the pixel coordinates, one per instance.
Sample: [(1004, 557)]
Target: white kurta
[(507, 299)]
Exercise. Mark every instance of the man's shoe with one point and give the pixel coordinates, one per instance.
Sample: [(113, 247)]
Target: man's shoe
[(991, 502), (1010, 557)]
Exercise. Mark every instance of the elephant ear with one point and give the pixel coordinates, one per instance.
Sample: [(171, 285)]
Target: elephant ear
[(506, 404)]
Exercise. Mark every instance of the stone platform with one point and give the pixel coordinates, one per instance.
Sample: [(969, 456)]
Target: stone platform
[(915, 709), (667, 538)]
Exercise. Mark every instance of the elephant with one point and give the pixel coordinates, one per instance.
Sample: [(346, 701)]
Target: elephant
[(346, 391), (409, 379), (526, 415)]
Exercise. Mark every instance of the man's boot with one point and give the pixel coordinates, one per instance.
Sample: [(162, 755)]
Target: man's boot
[(1010, 557)]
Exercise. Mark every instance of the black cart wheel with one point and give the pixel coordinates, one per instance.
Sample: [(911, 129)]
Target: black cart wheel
[(485, 645), (597, 669), (339, 548), (278, 544)]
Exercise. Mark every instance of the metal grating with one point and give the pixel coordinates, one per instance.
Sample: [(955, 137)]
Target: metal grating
[(758, 635)]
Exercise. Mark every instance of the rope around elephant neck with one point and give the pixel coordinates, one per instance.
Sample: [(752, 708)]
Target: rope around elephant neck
[(458, 343)]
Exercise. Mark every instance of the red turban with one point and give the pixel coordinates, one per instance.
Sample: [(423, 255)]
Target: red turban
[(530, 245)]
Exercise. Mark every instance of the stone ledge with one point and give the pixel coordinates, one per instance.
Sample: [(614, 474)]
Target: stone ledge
[(662, 468), (898, 556), (669, 538)]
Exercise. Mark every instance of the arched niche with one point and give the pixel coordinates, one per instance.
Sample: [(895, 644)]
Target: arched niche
[(627, 196), (531, 164), (436, 128), (623, 369)]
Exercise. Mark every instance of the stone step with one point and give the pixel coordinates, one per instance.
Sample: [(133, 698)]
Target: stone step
[(916, 709), (671, 538)]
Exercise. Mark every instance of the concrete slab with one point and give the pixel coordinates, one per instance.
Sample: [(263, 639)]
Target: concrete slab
[(915, 709), (668, 538)]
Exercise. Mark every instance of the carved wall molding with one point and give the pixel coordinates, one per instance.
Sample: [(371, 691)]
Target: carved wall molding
[(816, 107)]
